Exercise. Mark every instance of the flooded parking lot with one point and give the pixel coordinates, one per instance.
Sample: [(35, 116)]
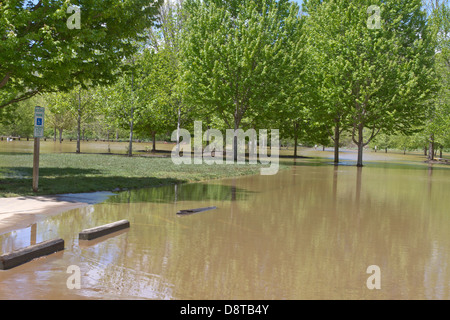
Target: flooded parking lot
[(309, 232)]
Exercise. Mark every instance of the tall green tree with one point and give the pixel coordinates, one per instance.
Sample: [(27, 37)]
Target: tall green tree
[(19, 119), (323, 28), (155, 93), (119, 104), (235, 56), (166, 79), (437, 125), (380, 74), (60, 114), (83, 105), (74, 107), (40, 51)]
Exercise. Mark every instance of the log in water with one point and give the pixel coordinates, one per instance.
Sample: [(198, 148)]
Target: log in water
[(192, 211)]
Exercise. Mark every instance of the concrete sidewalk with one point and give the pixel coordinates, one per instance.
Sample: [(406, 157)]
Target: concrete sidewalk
[(21, 212)]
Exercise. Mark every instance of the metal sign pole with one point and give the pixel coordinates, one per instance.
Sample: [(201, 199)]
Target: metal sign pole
[(38, 134), (37, 142)]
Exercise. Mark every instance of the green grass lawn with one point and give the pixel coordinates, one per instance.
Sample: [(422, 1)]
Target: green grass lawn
[(74, 173)]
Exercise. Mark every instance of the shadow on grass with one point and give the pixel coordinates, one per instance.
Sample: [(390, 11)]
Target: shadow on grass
[(52, 172), (16, 153), (51, 185)]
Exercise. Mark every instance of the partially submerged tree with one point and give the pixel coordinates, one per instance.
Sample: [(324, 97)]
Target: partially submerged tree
[(381, 76), (437, 125)]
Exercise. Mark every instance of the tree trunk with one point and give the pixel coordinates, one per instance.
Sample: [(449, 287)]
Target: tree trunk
[(431, 148), (130, 144), (54, 134), (425, 150), (178, 130), (359, 162), (336, 142), (235, 142), (440, 151), (79, 123), (154, 141), (208, 127), (235, 147), (295, 145), (60, 134), (295, 139)]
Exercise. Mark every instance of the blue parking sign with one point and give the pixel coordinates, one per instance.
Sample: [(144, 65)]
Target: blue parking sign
[(39, 114)]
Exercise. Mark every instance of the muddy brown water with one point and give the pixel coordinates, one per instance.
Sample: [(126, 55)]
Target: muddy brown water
[(309, 232)]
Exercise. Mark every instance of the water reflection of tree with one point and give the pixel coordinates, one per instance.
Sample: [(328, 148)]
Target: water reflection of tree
[(182, 192)]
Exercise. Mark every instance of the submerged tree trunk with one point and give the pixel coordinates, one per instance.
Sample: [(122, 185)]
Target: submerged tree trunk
[(235, 143), (359, 162), (295, 146), (295, 139), (360, 144)]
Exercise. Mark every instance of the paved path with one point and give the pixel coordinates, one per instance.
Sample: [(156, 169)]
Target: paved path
[(20, 212)]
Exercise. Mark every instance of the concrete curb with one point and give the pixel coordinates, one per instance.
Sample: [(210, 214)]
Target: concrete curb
[(89, 234), (21, 256)]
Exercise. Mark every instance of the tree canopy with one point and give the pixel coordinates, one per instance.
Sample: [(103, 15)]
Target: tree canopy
[(376, 79), (40, 53)]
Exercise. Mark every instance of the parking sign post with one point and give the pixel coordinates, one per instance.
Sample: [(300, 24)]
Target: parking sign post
[(39, 115)]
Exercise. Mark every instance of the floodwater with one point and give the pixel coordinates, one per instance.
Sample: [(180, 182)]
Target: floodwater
[(309, 232)]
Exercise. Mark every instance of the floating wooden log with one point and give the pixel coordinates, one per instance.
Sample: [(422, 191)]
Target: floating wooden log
[(89, 234), (192, 211), (21, 256)]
